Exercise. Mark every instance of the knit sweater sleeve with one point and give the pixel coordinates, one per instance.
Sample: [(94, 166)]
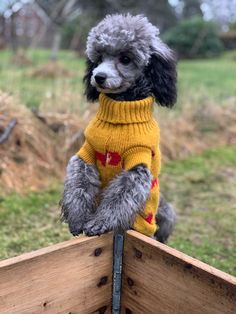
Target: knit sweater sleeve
[(136, 156), (87, 153)]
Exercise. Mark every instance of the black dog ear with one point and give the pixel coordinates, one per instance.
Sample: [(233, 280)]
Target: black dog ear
[(162, 73), (90, 91)]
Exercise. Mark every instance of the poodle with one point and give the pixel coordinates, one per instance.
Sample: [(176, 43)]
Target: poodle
[(112, 183)]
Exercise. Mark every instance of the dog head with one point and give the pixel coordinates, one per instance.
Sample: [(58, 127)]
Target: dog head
[(125, 51)]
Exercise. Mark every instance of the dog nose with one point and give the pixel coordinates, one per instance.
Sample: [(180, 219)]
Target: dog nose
[(100, 78)]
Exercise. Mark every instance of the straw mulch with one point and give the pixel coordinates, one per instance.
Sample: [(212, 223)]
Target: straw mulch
[(20, 58), (38, 148), (197, 129), (52, 69)]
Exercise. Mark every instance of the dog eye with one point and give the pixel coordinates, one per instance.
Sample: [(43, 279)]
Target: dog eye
[(125, 60)]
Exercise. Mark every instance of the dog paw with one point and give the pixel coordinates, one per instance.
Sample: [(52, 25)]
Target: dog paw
[(96, 227), (75, 228)]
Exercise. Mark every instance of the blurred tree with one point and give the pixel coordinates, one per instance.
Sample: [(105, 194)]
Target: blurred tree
[(223, 12), (2, 31), (195, 38), (160, 13), (191, 8), (75, 33), (59, 12), (98, 8), (10, 9)]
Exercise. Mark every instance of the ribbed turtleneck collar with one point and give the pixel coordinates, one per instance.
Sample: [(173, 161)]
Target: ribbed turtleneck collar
[(124, 112)]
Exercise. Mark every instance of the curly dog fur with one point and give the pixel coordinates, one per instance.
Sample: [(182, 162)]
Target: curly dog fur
[(127, 61)]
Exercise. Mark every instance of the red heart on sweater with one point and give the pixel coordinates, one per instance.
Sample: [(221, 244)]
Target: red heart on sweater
[(109, 158), (149, 218)]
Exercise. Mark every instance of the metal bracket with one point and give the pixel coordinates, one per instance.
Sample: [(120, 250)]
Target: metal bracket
[(118, 248)]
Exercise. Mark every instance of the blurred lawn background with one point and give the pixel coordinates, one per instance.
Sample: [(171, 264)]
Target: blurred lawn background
[(201, 183), (211, 79)]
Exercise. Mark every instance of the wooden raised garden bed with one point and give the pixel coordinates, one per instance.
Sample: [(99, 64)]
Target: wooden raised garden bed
[(76, 277)]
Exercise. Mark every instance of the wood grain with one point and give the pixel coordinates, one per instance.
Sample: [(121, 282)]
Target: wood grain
[(70, 277), (159, 279)]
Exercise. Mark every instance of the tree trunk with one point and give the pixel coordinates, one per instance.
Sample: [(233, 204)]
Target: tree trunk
[(2, 32), (56, 44), (14, 39)]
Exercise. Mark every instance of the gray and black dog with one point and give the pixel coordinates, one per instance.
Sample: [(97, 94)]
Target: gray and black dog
[(127, 61)]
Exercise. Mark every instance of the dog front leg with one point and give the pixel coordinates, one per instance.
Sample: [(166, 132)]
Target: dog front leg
[(80, 189), (165, 219), (122, 200)]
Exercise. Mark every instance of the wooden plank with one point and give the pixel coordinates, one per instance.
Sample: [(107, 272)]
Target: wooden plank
[(159, 279), (70, 277)]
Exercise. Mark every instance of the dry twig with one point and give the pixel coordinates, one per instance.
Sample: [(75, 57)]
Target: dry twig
[(6, 133)]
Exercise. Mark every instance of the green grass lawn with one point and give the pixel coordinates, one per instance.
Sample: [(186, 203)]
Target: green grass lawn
[(201, 187), (33, 91), (30, 222), (203, 190), (212, 79)]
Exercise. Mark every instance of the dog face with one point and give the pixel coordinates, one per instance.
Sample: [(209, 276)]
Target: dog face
[(115, 73), (121, 50)]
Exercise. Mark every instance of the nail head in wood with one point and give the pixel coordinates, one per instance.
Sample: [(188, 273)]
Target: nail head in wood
[(98, 251), (103, 281), (188, 266), (138, 253), (130, 282)]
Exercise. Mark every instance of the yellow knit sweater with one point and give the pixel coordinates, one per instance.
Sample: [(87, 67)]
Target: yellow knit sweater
[(123, 135)]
